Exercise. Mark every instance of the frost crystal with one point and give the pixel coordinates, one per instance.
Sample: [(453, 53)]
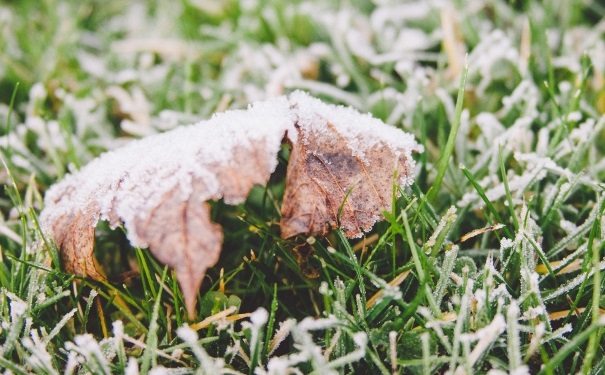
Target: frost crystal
[(568, 226), (450, 216), (281, 334), (391, 292), (324, 289), (132, 368), (18, 307), (118, 329), (187, 334), (312, 324), (362, 132), (160, 370), (506, 243), (259, 317)]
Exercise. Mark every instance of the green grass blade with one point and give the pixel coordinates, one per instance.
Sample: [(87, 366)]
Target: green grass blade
[(488, 204), (149, 358), (570, 347), (594, 341), (451, 141)]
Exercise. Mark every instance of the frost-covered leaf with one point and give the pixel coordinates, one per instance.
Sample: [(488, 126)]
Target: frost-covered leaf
[(158, 187), (341, 169)]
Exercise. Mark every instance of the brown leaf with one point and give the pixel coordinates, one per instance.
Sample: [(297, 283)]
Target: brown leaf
[(302, 253), (326, 184), (76, 237), (181, 235), (341, 175), (159, 187)]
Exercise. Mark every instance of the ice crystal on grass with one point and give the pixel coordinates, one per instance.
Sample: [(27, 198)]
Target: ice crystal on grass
[(281, 334), (17, 310), (40, 359), (55, 331), (132, 368), (485, 338), (310, 352), (449, 217), (94, 78), (90, 353), (212, 365), (571, 284)]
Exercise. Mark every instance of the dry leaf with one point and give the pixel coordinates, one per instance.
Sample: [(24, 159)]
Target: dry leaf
[(158, 187), (341, 169), (302, 253)]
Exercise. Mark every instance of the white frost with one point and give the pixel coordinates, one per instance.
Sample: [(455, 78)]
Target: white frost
[(362, 131), (131, 181), (259, 317)]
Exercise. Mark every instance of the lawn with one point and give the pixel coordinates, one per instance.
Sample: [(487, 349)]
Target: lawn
[(490, 262)]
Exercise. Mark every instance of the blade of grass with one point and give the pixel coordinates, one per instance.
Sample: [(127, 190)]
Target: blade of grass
[(451, 141), (17, 283), (12, 367), (570, 347), (487, 202), (509, 197), (271, 322), (420, 263), (11, 106), (594, 340), (562, 129), (355, 263), (149, 358)]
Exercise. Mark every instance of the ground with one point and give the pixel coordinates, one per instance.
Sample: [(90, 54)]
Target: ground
[(488, 262)]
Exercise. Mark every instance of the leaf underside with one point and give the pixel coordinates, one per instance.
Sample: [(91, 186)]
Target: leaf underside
[(340, 173), (323, 176)]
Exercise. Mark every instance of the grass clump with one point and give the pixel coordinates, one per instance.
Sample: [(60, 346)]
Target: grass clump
[(507, 99)]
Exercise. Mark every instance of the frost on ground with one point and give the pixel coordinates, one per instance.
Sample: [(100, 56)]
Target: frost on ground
[(94, 78), (87, 354)]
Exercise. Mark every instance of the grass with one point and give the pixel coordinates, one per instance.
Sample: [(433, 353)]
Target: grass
[(513, 143)]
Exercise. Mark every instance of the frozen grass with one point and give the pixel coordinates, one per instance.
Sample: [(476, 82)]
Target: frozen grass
[(513, 135)]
